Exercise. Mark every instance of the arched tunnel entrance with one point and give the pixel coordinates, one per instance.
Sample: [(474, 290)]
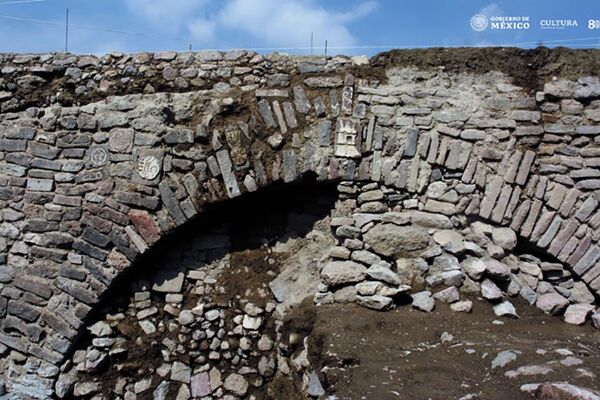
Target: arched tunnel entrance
[(203, 312), (224, 307), (466, 198)]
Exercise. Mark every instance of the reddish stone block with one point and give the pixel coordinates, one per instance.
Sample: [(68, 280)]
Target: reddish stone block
[(145, 225)]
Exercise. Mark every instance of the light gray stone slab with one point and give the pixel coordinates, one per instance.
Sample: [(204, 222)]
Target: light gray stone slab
[(229, 178)]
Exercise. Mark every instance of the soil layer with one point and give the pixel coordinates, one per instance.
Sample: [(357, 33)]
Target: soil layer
[(529, 68), (400, 354)]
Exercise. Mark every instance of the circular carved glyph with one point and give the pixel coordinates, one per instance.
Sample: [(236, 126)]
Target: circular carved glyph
[(148, 167), (121, 140), (99, 156)]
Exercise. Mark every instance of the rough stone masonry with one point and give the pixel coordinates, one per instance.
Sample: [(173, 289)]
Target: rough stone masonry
[(101, 157)]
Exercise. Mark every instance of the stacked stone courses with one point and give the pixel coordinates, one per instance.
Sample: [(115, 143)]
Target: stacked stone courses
[(101, 157)]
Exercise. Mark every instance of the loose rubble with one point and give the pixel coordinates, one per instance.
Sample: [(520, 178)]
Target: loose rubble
[(381, 256)]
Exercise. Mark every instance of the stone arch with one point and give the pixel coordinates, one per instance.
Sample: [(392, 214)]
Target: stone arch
[(223, 260), (86, 189)]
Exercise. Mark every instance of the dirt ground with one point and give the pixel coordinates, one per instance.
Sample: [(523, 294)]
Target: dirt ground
[(400, 354)]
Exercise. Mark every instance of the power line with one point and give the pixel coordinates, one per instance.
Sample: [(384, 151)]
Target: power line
[(21, 2), (88, 28), (290, 48)]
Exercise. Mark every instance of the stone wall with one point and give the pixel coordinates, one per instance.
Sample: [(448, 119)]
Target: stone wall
[(390, 244), (100, 158)]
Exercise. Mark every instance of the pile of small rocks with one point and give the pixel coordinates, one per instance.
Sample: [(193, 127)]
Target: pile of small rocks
[(204, 348)]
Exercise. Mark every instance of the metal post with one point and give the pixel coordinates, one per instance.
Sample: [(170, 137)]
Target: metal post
[(311, 43), (325, 48), (67, 33)]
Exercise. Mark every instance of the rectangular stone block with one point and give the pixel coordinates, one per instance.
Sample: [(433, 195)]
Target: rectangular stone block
[(171, 203), (594, 221), (513, 166), (443, 149), (18, 344), (473, 207), (403, 174), (556, 195), (229, 178), (586, 209), (469, 171), (264, 108), (40, 185), (592, 273), (569, 201), (320, 108), (568, 249), (589, 258), (413, 174), (587, 130), (540, 189), (51, 356), (589, 184), (533, 130), (551, 232), (43, 150), (492, 191), (58, 324), (10, 145), (513, 202), (334, 104), (423, 145), (542, 224), (280, 118), (324, 81), (33, 284), (71, 201), (272, 93), (290, 170), (290, 115), (301, 100), (77, 290), (565, 234), (454, 154), (433, 147), (525, 167), (179, 135), (581, 248), (520, 215), (501, 204), (525, 115), (410, 147), (532, 216)]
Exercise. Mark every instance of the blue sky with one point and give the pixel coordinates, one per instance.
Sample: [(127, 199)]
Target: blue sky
[(268, 25)]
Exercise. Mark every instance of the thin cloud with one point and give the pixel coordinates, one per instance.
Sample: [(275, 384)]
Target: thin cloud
[(203, 29), (290, 23), (360, 11), (490, 10), (277, 23), (169, 15)]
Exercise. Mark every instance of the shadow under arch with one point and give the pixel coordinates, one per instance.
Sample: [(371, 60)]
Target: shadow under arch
[(273, 213)]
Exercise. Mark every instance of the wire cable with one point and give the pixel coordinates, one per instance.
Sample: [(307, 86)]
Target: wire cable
[(21, 2), (297, 48)]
